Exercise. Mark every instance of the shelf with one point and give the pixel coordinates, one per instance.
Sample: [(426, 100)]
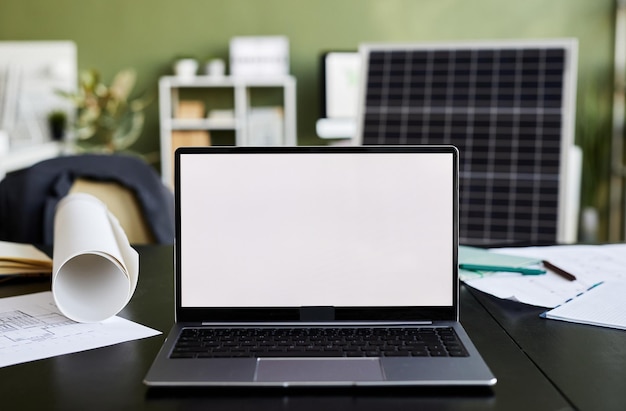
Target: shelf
[(281, 117), (203, 124), (227, 81)]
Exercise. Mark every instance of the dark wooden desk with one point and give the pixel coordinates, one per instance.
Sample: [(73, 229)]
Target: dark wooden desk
[(542, 375), (586, 363)]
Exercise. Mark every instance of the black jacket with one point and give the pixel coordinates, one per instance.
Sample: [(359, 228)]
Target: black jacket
[(28, 197)]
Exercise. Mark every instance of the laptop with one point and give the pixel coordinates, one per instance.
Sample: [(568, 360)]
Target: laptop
[(317, 266)]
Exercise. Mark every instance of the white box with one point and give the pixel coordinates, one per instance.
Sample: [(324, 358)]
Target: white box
[(264, 56), (265, 127)]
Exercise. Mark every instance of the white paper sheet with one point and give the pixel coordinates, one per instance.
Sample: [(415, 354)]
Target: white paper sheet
[(94, 269), (32, 328), (590, 264), (602, 305)]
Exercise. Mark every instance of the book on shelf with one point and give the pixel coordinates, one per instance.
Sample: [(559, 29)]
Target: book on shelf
[(190, 109), (265, 126), (185, 138), (188, 138)]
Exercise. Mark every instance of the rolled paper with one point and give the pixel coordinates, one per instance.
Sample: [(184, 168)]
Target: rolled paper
[(94, 268)]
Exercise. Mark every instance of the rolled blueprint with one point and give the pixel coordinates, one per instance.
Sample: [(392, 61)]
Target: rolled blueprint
[(94, 268)]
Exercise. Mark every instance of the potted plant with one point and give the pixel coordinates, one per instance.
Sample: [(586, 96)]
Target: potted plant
[(107, 120), (57, 121)]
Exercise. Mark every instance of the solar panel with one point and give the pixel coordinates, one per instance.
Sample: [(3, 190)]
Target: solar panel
[(507, 106)]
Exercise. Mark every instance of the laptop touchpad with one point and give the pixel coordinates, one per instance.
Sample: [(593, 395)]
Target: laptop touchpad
[(318, 369)]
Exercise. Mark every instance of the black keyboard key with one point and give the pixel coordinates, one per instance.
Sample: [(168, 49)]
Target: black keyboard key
[(317, 342), (287, 354), (438, 353), (457, 353), (423, 353), (399, 353), (183, 355), (355, 354)]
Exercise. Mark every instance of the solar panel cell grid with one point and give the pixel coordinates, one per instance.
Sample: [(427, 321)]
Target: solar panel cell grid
[(503, 109)]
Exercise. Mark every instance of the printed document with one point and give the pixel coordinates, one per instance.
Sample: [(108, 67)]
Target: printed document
[(591, 264), (33, 328)]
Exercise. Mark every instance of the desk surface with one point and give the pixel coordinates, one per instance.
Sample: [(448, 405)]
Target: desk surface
[(540, 364)]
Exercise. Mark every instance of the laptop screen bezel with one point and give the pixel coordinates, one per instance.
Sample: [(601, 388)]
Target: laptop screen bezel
[(295, 314)]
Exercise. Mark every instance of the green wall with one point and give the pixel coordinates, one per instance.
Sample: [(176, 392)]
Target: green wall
[(148, 34)]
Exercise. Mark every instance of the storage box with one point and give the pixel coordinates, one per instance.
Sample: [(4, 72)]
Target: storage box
[(265, 56)]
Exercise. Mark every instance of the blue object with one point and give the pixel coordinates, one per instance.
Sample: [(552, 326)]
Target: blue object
[(496, 268)]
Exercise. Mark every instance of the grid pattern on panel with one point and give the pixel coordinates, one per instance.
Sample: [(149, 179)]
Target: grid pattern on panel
[(502, 108)]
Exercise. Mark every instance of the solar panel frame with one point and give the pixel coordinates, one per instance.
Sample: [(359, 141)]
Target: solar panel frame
[(508, 105)]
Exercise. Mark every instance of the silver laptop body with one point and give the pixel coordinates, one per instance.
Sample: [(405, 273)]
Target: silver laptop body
[(317, 239)]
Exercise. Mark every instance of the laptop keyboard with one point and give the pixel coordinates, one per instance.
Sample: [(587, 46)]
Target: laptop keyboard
[(317, 342)]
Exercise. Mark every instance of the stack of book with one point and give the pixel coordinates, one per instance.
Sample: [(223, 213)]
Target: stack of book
[(22, 259)]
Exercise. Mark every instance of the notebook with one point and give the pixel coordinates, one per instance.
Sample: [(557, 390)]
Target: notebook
[(601, 305), (317, 266)]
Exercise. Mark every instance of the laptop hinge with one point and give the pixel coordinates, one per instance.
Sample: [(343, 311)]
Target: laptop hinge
[(312, 314)]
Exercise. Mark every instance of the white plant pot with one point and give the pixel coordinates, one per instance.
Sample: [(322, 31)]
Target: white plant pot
[(216, 68), (186, 67)]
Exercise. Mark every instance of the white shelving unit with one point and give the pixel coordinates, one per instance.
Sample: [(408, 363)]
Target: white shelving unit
[(169, 97)]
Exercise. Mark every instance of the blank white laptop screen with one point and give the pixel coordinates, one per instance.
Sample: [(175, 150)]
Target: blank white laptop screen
[(316, 229)]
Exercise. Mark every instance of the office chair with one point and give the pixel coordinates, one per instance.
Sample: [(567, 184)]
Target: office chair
[(130, 188)]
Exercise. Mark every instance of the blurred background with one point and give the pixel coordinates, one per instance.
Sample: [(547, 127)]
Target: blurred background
[(149, 35)]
